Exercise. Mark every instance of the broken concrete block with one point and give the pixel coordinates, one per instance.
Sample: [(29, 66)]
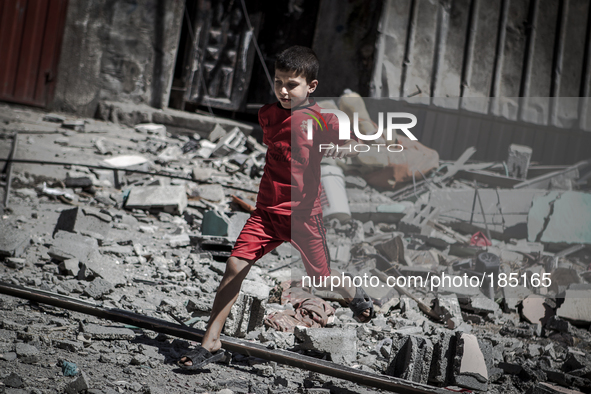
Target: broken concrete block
[(535, 310), (78, 385), (410, 358), (393, 250), (77, 220), (68, 245), (96, 331), (442, 362), (171, 199), (469, 368), (15, 262), (548, 388), (28, 354), (518, 160), (215, 223), (416, 221), (232, 142), (70, 267), (238, 320), (483, 305), (217, 133), (98, 288), (448, 307), (12, 241), (557, 217), (576, 307), (341, 344), (202, 174), (213, 193)]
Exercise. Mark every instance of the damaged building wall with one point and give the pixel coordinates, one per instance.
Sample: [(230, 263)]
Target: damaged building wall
[(530, 57), (117, 50)]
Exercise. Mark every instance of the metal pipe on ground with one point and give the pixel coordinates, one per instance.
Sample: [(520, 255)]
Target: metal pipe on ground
[(229, 343)]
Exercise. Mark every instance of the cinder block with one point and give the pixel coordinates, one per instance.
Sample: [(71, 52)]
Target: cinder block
[(239, 318), (416, 220), (442, 362), (410, 358), (341, 344)]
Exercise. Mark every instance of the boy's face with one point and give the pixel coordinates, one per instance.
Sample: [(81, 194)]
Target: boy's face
[(292, 90)]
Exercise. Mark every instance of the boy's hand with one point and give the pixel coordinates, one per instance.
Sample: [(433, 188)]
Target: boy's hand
[(345, 150)]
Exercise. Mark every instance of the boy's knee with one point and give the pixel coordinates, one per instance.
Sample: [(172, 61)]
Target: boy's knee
[(235, 265)]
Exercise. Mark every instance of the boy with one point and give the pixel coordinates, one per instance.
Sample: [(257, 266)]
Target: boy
[(287, 209)]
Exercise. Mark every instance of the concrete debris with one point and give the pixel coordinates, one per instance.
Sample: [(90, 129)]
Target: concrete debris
[(156, 245), (341, 344), (170, 199), (469, 365)]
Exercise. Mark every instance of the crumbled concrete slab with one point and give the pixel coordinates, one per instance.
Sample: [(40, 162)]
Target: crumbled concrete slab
[(68, 245), (171, 199), (339, 343), (448, 307), (469, 365), (12, 241), (213, 193), (512, 296), (576, 307), (410, 358), (560, 217), (96, 331)]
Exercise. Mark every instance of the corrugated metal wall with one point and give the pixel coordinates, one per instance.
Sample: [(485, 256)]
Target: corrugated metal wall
[(532, 56)]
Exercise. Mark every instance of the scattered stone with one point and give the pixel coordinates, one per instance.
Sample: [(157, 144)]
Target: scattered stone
[(213, 193), (66, 344), (98, 288), (70, 267), (341, 344), (28, 354), (177, 241), (469, 365), (448, 307), (12, 241), (15, 262), (13, 380), (77, 385), (96, 331)]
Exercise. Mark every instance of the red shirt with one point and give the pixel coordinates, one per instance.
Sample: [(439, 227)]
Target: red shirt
[(291, 179)]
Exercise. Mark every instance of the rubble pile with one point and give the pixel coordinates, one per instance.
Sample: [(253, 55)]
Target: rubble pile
[(149, 232)]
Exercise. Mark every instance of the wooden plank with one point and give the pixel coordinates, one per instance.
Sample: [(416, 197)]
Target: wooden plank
[(485, 39), (11, 31), (418, 73), (28, 68)]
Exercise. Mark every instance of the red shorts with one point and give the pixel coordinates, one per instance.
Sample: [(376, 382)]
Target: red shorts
[(264, 231)]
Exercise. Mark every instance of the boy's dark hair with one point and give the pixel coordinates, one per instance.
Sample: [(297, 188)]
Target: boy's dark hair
[(300, 59)]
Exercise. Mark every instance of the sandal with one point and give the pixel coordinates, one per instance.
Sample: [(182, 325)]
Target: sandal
[(200, 357), (360, 303)]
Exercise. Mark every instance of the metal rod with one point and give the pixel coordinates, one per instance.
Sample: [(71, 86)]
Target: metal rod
[(562, 22), (96, 167), (235, 345), (8, 170)]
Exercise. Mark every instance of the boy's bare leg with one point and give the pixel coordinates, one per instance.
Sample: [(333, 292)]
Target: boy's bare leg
[(348, 293), (225, 297)]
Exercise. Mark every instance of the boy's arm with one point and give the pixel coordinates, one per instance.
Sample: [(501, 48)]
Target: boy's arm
[(340, 149)]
